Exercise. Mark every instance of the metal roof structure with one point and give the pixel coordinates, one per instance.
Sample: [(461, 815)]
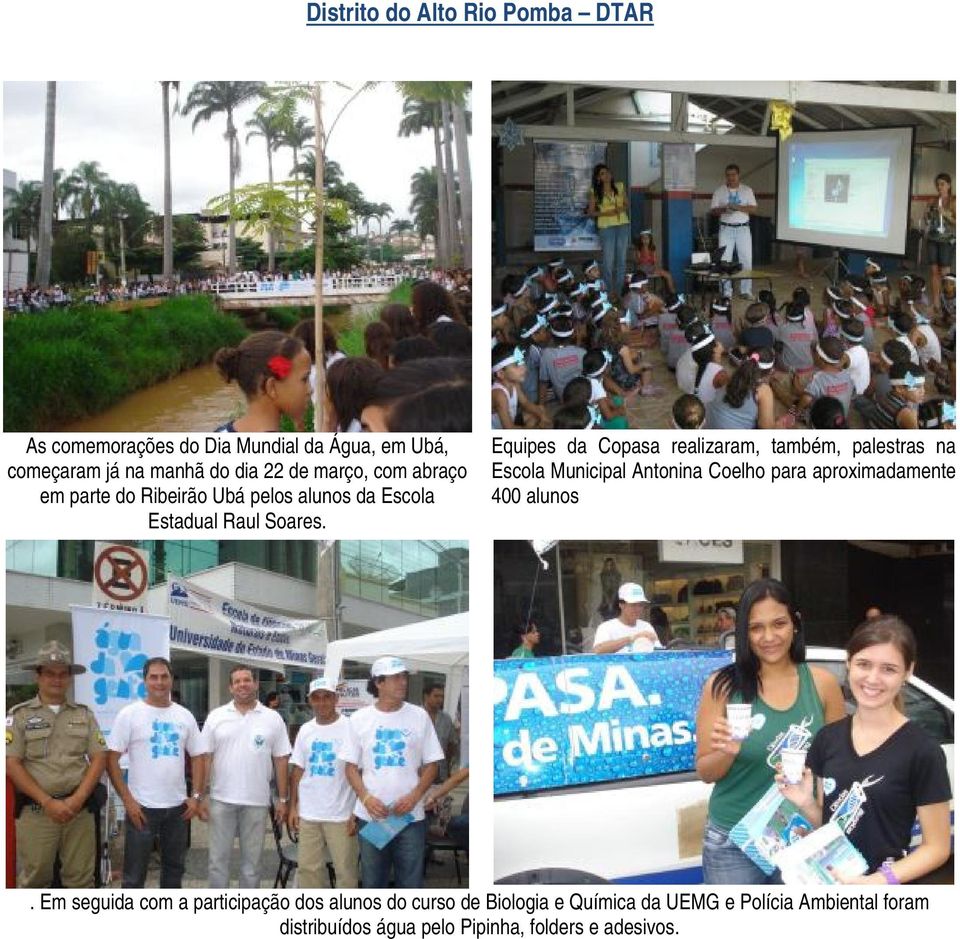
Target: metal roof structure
[(610, 110)]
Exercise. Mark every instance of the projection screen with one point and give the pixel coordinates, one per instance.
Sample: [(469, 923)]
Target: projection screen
[(846, 189)]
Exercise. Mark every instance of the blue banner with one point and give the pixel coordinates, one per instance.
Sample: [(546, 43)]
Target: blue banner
[(577, 719)]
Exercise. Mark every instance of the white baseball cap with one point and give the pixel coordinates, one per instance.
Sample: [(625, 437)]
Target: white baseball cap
[(323, 683), (388, 665), (632, 593)]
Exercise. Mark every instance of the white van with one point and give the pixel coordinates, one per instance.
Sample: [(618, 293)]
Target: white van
[(646, 829)]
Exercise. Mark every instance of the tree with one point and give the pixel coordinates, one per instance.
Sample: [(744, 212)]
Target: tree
[(84, 191), (205, 101), (249, 254), (266, 124), (168, 248), (45, 246), (296, 133), (438, 104), (21, 213), (401, 226), (424, 201)]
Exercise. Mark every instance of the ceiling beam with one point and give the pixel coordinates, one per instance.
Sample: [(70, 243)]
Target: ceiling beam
[(844, 93), (521, 101), (625, 133)]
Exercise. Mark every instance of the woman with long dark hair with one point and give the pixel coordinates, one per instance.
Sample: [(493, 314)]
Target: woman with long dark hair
[(789, 700), (748, 399), (876, 772), (941, 232), (609, 206)]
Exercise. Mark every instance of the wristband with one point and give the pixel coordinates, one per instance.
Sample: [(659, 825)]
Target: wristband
[(283, 800), (198, 796), (886, 868)]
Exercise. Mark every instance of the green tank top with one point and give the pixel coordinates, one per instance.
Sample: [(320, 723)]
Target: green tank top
[(752, 772)]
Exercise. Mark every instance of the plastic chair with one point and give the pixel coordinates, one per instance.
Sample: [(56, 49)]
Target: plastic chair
[(286, 852)]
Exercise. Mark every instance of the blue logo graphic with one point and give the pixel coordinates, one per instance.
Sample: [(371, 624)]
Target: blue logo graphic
[(322, 759), (594, 718), (165, 739), (119, 663), (390, 748), (258, 741)]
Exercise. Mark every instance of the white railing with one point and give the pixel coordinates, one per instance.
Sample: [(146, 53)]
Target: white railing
[(346, 285)]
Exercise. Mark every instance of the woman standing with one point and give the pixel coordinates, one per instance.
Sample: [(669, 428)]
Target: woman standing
[(877, 772), (790, 701), (941, 235), (608, 205)]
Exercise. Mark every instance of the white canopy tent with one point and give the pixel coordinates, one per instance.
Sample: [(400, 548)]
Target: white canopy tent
[(439, 645)]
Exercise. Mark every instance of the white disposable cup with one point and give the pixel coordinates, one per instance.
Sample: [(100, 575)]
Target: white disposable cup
[(792, 763), (739, 718)]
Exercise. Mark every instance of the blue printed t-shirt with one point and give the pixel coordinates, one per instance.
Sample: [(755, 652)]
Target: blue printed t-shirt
[(157, 742), (323, 793), (389, 749)]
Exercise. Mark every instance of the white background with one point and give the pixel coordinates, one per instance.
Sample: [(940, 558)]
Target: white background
[(121, 41)]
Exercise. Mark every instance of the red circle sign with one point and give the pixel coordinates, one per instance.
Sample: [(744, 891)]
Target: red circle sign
[(120, 573)]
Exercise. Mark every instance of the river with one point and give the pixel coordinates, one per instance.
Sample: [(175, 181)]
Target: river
[(195, 400)]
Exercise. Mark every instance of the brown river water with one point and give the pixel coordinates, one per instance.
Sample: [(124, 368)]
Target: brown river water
[(195, 400)]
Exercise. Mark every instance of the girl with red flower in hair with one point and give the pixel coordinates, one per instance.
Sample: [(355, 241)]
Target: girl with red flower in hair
[(273, 371)]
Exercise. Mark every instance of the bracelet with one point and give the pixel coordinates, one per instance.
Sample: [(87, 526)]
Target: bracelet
[(197, 795), (889, 875)]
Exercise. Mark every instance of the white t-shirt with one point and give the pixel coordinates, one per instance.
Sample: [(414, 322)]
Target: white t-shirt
[(156, 741), (389, 748), (742, 195), (242, 747), (645, 636), (323, 792), (859, 369)]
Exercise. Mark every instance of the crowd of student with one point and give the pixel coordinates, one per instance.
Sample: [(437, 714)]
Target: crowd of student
[(569, 352), (415, 375)]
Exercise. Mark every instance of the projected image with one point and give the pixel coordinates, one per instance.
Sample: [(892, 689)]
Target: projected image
[(846, 189)]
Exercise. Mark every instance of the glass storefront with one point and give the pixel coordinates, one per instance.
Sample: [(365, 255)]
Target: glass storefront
[(428, 578), (688, 581)]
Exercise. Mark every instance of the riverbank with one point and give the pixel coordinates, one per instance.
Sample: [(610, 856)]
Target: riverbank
[(64, 365)]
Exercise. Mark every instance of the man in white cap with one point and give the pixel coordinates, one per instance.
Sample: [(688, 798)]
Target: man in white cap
[(55, 756), (246, 745), (627, 632), (393, 763), (321, 800)]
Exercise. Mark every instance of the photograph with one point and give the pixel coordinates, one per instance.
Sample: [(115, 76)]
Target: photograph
[(684, 712), (237, 256), (724, 256), (253, 714)]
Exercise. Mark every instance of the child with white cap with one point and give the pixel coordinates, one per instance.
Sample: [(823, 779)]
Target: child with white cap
[(391, 764), (321, 800), (627, 632)]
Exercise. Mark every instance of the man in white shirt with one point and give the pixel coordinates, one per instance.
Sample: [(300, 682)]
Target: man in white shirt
[(627, 632), (734, 203), (393, 764), (321, 800), (246, 744), (156, 735)]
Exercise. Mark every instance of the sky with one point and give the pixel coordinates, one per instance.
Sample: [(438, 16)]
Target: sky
[(120, 125)]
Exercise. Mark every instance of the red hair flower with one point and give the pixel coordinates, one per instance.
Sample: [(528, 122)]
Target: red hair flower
[(279, 366)]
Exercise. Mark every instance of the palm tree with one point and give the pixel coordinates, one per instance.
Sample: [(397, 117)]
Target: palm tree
[(45, 246), (267, 126), (401, 226), (381, 210), (418, 116), (448, 182), (21, 213), (424, 201), (167, 182), (206, 100), (84, 191), (296, 135)]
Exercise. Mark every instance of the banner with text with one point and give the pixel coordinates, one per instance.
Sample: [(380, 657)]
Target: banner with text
[(205, 622), (577, 719), (114, 645), (561, 187)]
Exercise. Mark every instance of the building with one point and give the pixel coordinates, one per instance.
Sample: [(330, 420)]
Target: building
[(216, 233), (832, 582), (15, 257), (366, 586)]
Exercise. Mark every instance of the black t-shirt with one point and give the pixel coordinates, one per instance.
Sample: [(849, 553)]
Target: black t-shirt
[(874, 798)]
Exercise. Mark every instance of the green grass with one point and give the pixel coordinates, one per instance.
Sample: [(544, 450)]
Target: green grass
[(64, 365)]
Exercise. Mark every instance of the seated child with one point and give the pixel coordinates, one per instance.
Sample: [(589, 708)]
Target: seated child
[(721, 322), (858, 359), (645, 256), (507, 397), (831, 377), (613, 411), (688, 413), (699, 371), (897, 410), (561, 361), (827, 414)]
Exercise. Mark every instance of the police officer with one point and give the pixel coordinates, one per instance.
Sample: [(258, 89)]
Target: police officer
[(55, 757)]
